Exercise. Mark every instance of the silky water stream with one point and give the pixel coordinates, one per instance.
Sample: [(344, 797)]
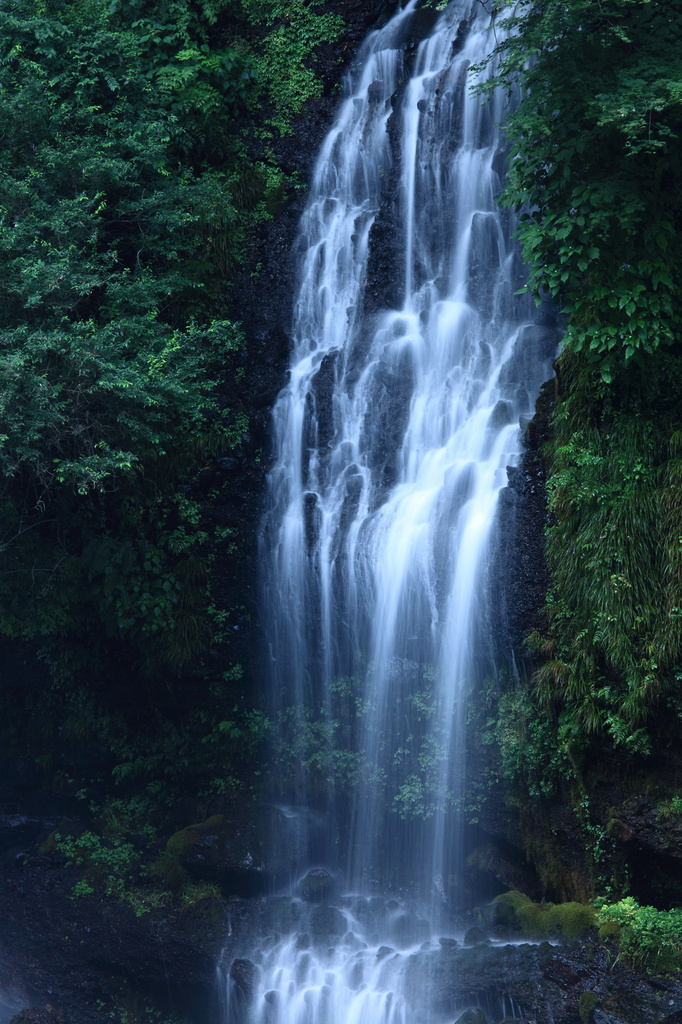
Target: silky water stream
[(414, 363)]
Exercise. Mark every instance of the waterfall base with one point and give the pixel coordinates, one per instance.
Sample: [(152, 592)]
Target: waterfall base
[(374, 961), (361, 960)]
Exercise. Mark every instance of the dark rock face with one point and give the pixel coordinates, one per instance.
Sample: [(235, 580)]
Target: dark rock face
[(244, 976), (261, 298), (518, 577), (88, 957), (19, 833), (45, 1015), (546, 983)]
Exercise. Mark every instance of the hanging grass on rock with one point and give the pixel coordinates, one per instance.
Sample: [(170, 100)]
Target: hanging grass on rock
[(615, 626)]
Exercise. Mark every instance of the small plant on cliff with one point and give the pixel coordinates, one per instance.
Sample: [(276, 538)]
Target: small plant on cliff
[(671, 810), (111, 862)]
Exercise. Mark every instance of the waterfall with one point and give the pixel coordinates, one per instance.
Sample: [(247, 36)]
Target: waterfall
[(392, 441), (414, 362)]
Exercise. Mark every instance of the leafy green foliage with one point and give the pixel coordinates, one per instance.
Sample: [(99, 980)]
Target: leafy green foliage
[(529, 757), (132, 172), (85, 404), (647, 938), (671, 810), (110, 346), (596, 158), (596, 165), (613, 649), (295, 29), (112, 861), (324, 745)]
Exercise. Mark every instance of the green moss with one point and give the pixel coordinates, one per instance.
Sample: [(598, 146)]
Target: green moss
[(166, 870), (586, 1005), (186, 837), (571, 920), (516, 912)]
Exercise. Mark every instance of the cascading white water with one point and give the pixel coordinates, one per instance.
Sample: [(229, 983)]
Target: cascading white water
[(392, 438)]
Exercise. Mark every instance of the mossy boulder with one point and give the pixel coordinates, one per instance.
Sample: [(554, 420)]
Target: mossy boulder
[(474, 936), (215, 850), (513, 914)]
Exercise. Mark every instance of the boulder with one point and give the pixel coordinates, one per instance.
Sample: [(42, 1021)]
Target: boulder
[(316, 886), (475, 936), (472, 1017), (244, 977), (224, 852), (326, 924)]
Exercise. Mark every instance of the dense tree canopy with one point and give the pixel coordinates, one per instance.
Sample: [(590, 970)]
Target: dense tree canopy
[(135, 163), (597, 164)]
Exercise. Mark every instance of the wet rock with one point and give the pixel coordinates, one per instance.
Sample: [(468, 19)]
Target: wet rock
[(19, 833), (507, 869), (278, 914), (472, 1017), (356, 976), (74, 954), (648, 825), (447, 943), (317, 885), (327, 924), (351, 940), (384, 951), (39, 1015), (544, 983), (244, 976), (407, 929), (475, 936), (518, 571), (223, 851)]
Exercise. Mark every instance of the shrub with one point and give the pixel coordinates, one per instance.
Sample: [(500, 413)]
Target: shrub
[(647, 938)]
